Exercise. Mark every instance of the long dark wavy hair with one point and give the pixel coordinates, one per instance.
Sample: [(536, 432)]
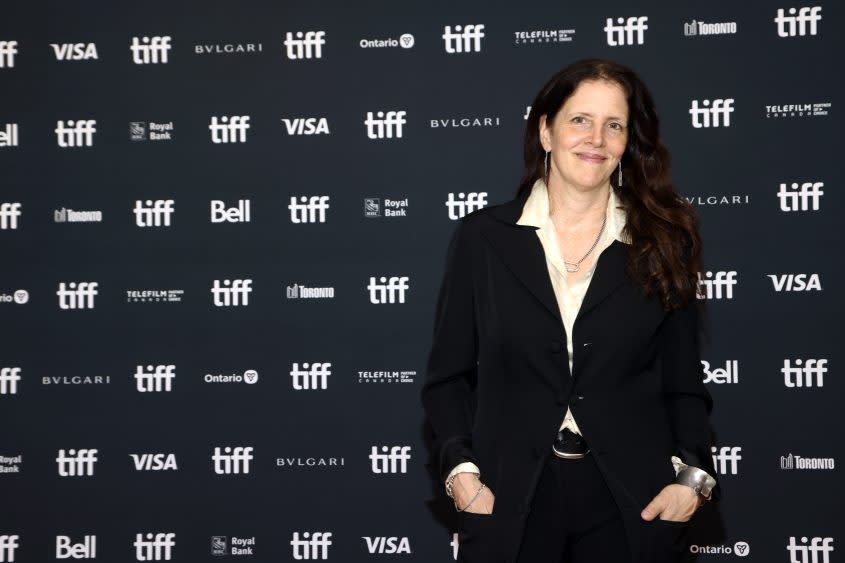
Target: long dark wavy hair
[(665, 254)]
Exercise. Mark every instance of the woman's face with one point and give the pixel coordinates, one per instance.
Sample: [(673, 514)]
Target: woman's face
[(587, 136)]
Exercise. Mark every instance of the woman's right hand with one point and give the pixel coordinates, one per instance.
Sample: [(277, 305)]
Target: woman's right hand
[(464, 488)]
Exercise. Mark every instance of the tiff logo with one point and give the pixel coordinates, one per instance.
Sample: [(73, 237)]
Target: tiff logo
[(8, 50), (150, 50), (623, 34), (306, 45), (77, 296), (803, 198), (388, 290), (799, 553), (718, 287), (727, 374), (232, 460), (65, 549), (8, 543), (701, 116), (154, 547), (313, 545), (151, 213), (792, 25), (315, 376), (9, 378), (77, 133), (155, 378), (465, 203), (308, 210), (463, 40), (726, 459), (230, 129), (76, 463), (394, 459), (232, 293), (795, 282), (9, 213), (385, 125), (804, 373)]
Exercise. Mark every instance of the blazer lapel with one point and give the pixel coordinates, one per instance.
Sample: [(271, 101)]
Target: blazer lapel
[(609, 275)]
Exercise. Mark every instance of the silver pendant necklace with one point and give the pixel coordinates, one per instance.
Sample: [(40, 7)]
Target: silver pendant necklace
[(575, 266)]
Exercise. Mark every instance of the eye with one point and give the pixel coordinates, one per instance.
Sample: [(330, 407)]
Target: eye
[(616, 126), (579, 120)]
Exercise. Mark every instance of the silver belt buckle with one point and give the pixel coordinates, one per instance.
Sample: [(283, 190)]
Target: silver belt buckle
[(564, 455)]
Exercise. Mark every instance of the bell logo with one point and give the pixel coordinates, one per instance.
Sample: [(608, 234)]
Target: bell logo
[(76, 463), (465, 39), (388, 290), (8, 50), (9, 378), (623, 34), (792, 25), (85, 550), (75, 295), (304, 45), (74, 51), (464, 203), (805, 373), (392, 459), (155, 379), (154, 547), (310, 376), (238, 214), (387, 545), (800, 198), (718, 286), (229, 461), (150, 50), (795, 282), (804, 553), (385, 124), (726, 459), (313, 545), (727, 374), (709, 114)]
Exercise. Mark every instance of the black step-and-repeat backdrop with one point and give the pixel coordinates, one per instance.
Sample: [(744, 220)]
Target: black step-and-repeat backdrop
[(223, 227)]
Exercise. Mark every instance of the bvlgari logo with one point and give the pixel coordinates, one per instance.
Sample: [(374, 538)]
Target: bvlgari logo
[(721, 199), (227, 48), (466, 122), (312, 462), (76, 380)]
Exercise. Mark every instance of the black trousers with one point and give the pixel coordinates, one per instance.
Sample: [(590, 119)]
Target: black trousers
[(573, 518)]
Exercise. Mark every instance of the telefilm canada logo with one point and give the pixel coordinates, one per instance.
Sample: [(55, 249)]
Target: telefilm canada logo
[(543, 36), (377, 207), (813, 109), (154, 295), (390, 376), (150, 130)]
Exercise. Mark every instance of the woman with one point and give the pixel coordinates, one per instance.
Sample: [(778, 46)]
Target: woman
[(564, 384)]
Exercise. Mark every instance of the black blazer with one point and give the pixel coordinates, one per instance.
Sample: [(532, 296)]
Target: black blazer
[(497, 383)]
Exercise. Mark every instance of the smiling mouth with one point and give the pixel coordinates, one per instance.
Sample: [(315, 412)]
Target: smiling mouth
[(594, 158)]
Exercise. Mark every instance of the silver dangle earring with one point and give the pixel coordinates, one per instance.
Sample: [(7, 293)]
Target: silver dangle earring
[(546, 167), (620, 173)]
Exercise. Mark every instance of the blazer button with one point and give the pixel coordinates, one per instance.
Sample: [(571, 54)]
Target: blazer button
[(556, 346)]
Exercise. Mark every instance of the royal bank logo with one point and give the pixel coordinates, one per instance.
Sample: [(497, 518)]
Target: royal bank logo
[(729, 374), (154, 462), (389, 545), (8, 50), (75, 133), (19, 297), (312, 545), (150, 131), (306, 125), (153, 213), (227, 48), (228, 129), (808, 550), (740, 549), (712, 113), (9, 135), (815, 109), (790, 462), (9, 213), (235, 546), (77, 295), (76, 463), (462, 203), (716, 285), (800, 22), (543, 36), (800, 197), (239, 213), (405, 41), (232, 460), (304, 44), (10, 464), (389, 459), (795, 282), (696, 28), (9, 377), (311, 462), (299, 291), (74, 51), (393, 376), (154, 546), (726, 459), (65, 215), (385, 124), (465, 122), (150, 50), (154, 295), (727, 199), (305, 209), (804, 373), (311, 376), (463, 38), (154, 379), (250, 377), (626, 31), (374, 207)]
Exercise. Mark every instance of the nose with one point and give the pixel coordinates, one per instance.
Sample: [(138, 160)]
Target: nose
[(597, 136)]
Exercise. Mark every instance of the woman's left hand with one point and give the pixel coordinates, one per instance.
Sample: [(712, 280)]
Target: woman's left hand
[(676, 503)]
